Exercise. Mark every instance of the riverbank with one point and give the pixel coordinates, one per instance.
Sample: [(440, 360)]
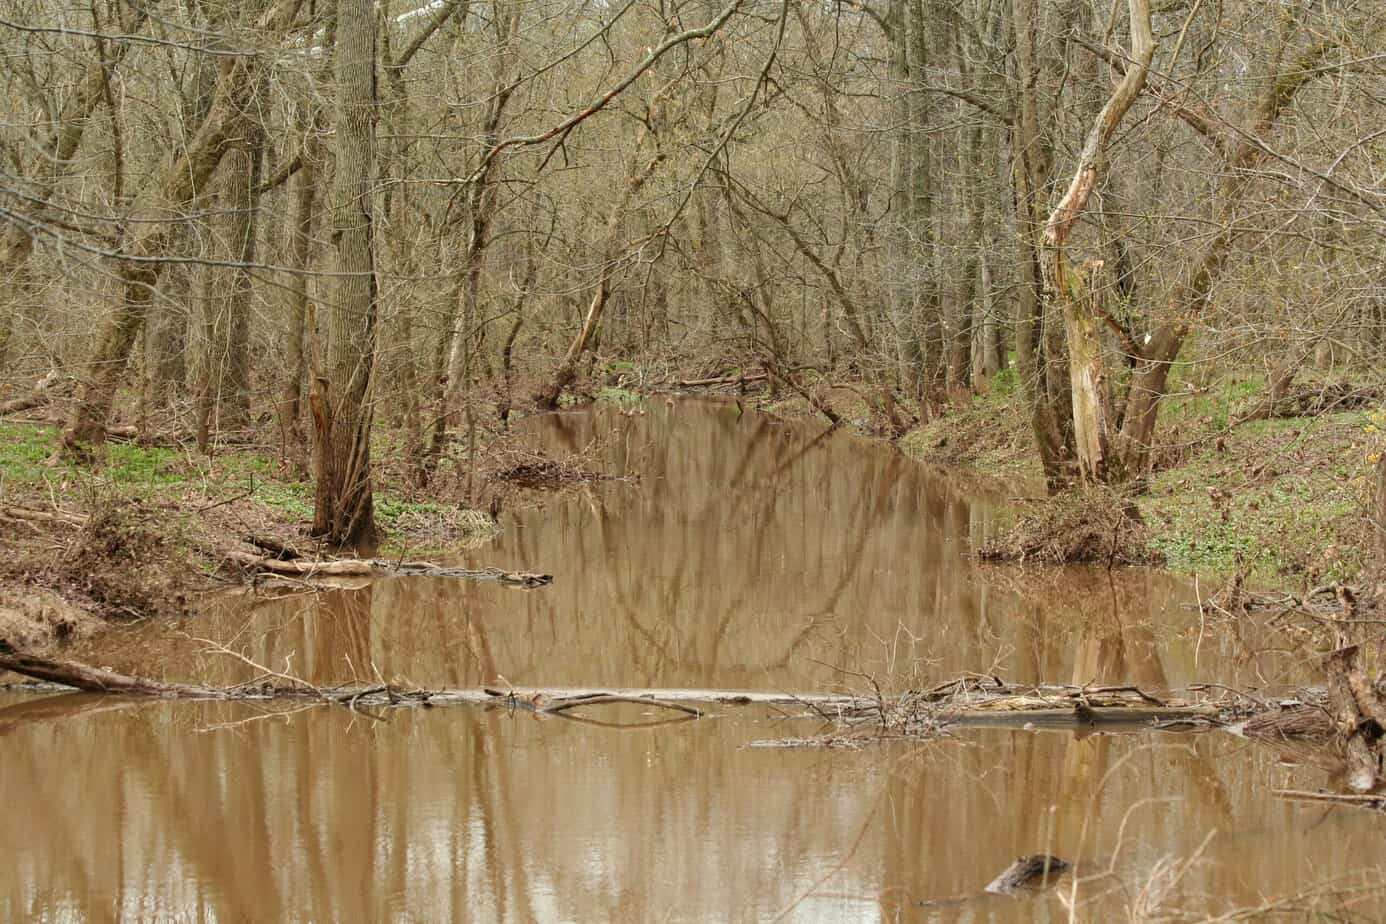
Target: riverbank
[(1283, 500), (157, 527)]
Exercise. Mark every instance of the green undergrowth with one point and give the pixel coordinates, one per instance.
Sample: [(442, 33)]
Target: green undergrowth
[(1286, 498), (254, 484), (1283, 498), (990, 434)]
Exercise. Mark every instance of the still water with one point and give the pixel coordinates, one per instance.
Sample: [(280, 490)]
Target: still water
[(751, 554)]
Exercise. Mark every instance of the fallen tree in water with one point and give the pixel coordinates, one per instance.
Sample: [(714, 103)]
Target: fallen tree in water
[(967, 701)]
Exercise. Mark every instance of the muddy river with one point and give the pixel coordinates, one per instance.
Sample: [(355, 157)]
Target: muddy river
[(750, 554)]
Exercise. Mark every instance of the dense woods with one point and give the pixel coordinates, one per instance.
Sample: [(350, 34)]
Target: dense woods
[(325, 221)]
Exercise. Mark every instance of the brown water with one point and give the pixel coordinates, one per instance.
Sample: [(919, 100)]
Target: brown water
[(751, 554)]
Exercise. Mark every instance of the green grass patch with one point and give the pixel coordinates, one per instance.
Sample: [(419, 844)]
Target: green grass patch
[(621, 396), (1281, 496), (24, 450)]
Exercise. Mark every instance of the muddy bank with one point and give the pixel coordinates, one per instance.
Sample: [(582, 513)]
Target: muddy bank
[(151, 531)]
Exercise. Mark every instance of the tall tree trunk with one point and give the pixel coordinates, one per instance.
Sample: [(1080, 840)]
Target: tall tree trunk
[(55, 160), (927, 350), (302, 223), (547, 396), (899, 270), (223, 399), (341, 388), (1193, 288), (1079, 292), (1033, 161)]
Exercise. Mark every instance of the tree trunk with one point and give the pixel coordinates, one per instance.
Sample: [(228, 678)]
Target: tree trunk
[(1094, 433), (1193, 288), (1079, 291), (303, 221), (1033, 160), (54, 162), (926, 349), (223, 397), (547, 396), (341, 388)]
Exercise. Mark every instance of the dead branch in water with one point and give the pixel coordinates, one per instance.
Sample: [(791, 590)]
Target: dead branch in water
[(965, 702), (722, 380), (378, 567), (84, 677), (1360, 800)]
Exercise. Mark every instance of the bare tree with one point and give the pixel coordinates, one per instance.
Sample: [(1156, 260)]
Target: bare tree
[(341, 382)]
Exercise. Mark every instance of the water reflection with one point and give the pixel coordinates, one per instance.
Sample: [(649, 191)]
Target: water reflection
[(752, 554), (225, 812)]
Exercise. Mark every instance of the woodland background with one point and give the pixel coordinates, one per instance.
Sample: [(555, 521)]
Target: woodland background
[(331, 225)]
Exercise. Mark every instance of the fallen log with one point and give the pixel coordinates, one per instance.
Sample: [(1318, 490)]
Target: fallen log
[(1376, 802), (722, 380), (963, 706), (378, 567), (93, 680), (37, 396), (27, 514), (1355, 708)]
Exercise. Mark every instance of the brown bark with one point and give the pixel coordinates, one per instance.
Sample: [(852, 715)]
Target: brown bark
[(303, 223), (483, 198), (223, 397), (1079, 292), (55, 159), (547, 396), (1357, 714), (343, 511), (1033, 160), (1094, 424)]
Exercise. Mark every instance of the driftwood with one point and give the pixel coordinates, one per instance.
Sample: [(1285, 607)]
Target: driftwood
[(92, 680), (1374, 802), (376, 567), (722, 380), (37, 396), (52, 517), (1286, 400)]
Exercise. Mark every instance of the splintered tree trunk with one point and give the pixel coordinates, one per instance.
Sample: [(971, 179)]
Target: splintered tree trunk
[(341, 388), (1094, 432), (1076, 290)]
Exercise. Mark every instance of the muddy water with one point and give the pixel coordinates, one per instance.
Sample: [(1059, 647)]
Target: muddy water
[(751, 554)]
